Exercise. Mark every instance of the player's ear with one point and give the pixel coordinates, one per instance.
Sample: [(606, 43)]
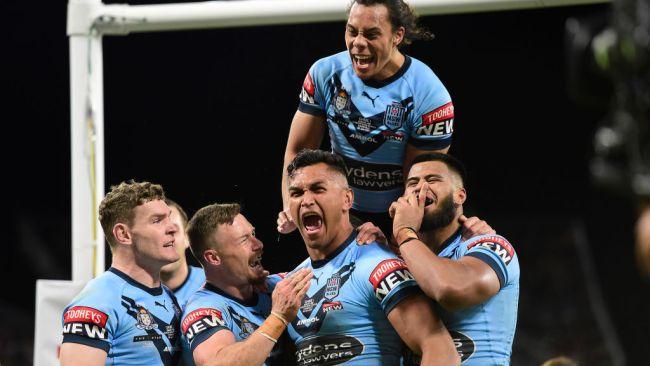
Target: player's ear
[(348, 200), (460, 196), (122, 234), (398, 36), (211, 256)]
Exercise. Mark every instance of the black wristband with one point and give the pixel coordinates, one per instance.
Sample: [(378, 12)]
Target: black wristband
[(406, 241)]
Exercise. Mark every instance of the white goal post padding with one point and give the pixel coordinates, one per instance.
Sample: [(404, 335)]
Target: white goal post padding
[(52, 296)]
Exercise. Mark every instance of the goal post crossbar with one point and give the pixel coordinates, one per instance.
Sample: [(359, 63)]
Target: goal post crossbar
[(115, 19)]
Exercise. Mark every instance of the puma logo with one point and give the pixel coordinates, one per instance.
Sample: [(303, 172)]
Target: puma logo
[(161, 305), (364, 94)]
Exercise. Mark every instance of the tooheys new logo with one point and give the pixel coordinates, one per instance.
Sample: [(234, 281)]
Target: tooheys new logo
[(373, 177), (327, 350), (389, 274), (312, 312), (307, 92), (438, 122), (201, 320), (85, 321), (496, 244)]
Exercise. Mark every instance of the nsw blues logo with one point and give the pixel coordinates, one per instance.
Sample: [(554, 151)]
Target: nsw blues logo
[(145, 320), (246, 327), (394, 116), (342, 101), (332, 287)]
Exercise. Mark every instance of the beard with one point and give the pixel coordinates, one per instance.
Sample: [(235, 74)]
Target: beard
[(440, 217)]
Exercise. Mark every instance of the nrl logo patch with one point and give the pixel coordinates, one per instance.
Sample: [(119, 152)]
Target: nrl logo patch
[(394, 116), (333, 285)]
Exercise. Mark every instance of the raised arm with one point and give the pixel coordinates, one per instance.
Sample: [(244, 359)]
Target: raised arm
[(306, 132), (423, 332), (453, 284), (222, 348)]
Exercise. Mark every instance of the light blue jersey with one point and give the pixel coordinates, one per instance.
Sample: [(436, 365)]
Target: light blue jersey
[(194, 281), (211, 310), (134, 324), (483, 334), (343, 316), (371, 122)]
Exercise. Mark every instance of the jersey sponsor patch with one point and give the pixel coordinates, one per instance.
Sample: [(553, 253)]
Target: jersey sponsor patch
[(201, 320), (373, 177), (307, 93), (496, 244), (85, 321), (328, 350), (387, 275), (465, 345), (438, 122), (334, 305)]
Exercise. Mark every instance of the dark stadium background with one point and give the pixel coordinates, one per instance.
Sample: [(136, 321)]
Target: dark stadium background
[(206, 114)]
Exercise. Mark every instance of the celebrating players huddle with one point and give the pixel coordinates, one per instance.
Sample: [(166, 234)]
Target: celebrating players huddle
[(395, 273)]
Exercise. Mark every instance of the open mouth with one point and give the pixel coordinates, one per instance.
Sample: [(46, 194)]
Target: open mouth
[(363, 61), (169, 244), (256, 263), (312, 222), (428, 201)]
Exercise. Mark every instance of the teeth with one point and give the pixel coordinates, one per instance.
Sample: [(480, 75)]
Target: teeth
[(362, 57), (257, 262)]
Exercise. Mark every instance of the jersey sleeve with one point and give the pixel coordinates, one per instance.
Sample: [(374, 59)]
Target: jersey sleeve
[(90, 319), (202, 320), (386, 277), (496, 252), (273, 280), (433, 117), (312, 99)]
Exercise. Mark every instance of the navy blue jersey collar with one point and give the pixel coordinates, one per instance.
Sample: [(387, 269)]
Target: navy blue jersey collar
[(449, 240), (155, 291), (187, 278), (248, 303), (321, 262), (381, 83)]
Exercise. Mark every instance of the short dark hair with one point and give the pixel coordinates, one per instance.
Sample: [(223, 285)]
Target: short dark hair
[(120, 202), (451, 162), (401, 15), (308, 157), (205, 222), (172, 203)]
